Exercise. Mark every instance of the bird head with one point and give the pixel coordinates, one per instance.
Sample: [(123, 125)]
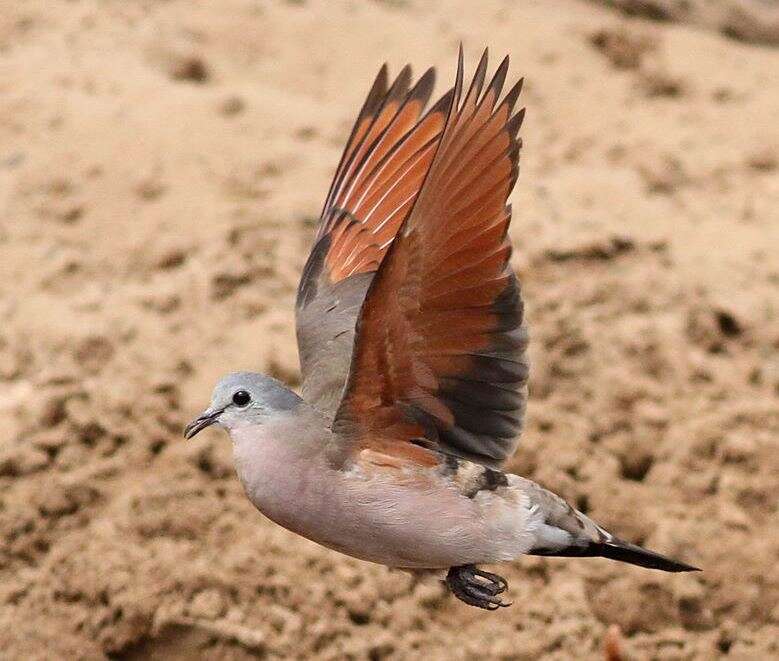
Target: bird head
[(243, 399)]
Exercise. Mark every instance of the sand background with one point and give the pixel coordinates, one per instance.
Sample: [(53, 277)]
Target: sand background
[(162, 165)]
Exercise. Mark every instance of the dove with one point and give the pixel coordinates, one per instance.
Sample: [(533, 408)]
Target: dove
[(412, 343)]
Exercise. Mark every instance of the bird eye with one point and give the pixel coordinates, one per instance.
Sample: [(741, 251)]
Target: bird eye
[(241, 398)]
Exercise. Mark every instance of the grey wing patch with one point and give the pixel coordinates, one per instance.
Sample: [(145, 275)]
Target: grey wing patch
[(325, 321), (312, 273)]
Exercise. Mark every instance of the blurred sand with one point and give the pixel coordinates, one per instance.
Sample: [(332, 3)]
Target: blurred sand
[(161, 167), (754, 21)]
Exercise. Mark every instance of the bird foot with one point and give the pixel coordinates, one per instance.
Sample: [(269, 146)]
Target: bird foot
[(476, 587)]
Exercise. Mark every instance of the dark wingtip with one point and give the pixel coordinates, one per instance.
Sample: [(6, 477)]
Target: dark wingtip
[(424, 86), (458, 82), (377, 91), (498, 79), (400, 86), (478, 79), (512, 95)]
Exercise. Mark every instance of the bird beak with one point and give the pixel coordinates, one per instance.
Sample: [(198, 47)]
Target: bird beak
[(206, 419)]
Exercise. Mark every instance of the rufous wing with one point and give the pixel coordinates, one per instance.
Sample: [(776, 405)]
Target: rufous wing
[(439, 357), (381, 171), (386, 158)]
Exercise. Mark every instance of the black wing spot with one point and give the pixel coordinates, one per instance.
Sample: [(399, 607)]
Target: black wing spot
[(452, 464), (494, 479), (489, 480)]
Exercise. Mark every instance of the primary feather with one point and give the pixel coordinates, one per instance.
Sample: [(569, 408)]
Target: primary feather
[(381, 171), (440, 346)]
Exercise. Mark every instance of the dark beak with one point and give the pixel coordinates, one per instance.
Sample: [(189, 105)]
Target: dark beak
[(208, 418)]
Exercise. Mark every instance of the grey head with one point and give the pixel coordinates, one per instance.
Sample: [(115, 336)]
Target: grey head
[(243, 399)]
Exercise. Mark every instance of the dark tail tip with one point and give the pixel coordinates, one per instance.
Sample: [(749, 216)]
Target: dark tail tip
[(616, 549)]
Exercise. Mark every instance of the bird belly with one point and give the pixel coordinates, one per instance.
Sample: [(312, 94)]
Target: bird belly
[(412, 525), (402, 527), (406, 518)]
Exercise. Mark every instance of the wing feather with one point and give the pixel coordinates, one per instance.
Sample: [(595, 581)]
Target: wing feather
[(384, 163), (440, 347)]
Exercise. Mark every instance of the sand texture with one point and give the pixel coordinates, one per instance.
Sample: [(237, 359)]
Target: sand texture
[(162, 165)]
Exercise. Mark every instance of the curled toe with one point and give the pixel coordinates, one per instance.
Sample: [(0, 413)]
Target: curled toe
[(477, 588)]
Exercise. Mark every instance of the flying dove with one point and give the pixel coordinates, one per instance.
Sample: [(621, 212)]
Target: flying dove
[(413, 354)]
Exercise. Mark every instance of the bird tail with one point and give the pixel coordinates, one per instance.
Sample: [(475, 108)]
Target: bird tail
[(618, 549)]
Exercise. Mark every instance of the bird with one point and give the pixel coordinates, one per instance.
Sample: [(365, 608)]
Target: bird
[(412, 343)]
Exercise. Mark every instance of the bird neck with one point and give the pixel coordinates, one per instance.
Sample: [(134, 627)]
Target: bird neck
[(277, 459)]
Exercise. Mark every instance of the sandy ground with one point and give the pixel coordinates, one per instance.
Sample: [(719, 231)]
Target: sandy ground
[(161, 168), (754, 21)]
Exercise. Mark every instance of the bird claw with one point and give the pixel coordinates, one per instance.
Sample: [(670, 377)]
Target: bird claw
[(476, 587)]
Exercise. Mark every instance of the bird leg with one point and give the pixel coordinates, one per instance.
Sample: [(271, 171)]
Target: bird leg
[(476, 587)]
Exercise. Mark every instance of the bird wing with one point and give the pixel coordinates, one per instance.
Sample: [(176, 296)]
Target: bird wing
[(439, 356), (381, 171)]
